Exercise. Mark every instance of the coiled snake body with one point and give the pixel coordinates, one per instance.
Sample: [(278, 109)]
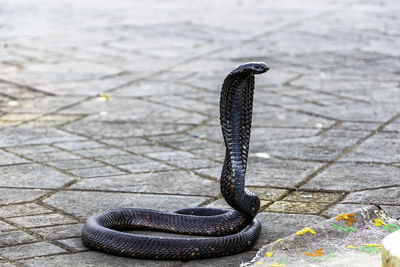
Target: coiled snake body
[(224, 232)]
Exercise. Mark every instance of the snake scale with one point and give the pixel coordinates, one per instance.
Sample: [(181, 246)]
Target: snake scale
[(223, 232)]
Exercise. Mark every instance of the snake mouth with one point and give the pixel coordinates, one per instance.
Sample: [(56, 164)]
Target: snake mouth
[(259, 67)]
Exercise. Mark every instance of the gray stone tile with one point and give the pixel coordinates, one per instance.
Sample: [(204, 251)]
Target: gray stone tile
[(32, 149), (148, 149), (53, 156), (80, 203), (6, 227), (120, 129), (7, 158), (92, 258), (281, 173), (388, 196), (97, 172), (348, 176), (342, 208), (175, 182), (61, 72), (32, 175), (194, 140), (313, 148), (15, 238), (41, 220), (125, 142), (169, 156), (74, 243), (22, 210), (101, 152), (42, 105), (59, 231), (15, 195), (194, 163), (382, 147), (393, 126), (78, 145), (149, 88), (146, 166), (121, 109), (124, 160), (6, 264), (29, 136), (75, 164), (357, 126), (30, 250), (85, 87)]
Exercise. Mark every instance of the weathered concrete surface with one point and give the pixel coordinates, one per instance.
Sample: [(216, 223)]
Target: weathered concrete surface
[(107, 104)]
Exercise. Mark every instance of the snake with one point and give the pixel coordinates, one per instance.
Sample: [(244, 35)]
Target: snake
[(218, 232)]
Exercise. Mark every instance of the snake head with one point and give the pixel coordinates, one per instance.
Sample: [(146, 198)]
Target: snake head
[(252, 68)]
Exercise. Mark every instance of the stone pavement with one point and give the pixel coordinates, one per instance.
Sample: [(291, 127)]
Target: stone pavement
[(107, 104)]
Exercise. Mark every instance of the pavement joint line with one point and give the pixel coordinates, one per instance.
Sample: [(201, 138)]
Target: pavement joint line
[(40, 202), (209, 201), (8, 96), (290, 84), (298, 110), (376, 188), (88, 158), (347, 150), (137, 192), (27, 215), (33, 89), (149, 100), (136, 154), (38, 236), (296, 97), (47, 255), (326, 130), (6, 260), (332, 204)]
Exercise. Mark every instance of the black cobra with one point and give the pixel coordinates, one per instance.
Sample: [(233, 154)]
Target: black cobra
[(224, 232)]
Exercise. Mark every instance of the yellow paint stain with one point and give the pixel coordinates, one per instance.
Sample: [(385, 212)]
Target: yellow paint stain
[(379, 222), (269, 254), (277, 264), (351, 246), (104, 97), (306, 230), (279, 240), (372, 245), (259, 262)]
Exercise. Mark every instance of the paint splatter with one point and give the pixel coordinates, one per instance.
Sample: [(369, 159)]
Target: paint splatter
[(347, 217), (379, 222), (315, 253), (391, 227), (344, 228), (306, 230)]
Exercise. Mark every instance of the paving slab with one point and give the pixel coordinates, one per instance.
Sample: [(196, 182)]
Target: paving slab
[(350, 176), (33, 176)]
